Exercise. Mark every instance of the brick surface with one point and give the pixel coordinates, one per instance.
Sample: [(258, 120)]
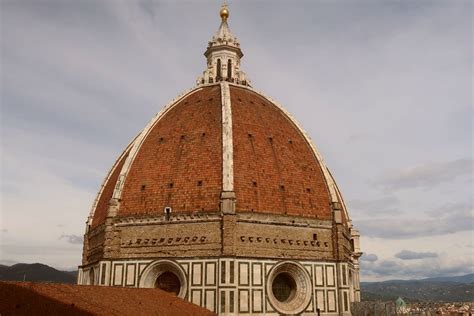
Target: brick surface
[(180, 162), (275, 170)]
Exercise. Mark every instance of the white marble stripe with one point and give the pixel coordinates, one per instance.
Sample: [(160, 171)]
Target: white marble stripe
[(106, 180), (227, 142)]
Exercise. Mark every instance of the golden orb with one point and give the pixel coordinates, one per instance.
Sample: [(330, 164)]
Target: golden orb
[(224, 13)]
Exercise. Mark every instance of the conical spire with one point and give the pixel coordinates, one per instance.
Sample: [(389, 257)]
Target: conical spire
[(223, 55)]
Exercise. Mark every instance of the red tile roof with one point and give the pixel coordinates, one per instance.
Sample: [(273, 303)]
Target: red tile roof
[(29, 298)]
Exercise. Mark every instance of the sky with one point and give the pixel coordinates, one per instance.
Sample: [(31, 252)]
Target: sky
[(384, 89)]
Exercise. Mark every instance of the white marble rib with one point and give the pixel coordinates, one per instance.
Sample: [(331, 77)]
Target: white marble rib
[(227, 141)]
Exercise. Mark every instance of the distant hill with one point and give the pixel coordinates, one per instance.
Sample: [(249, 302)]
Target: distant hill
[(36, 272), (440, 289), (468, 278)]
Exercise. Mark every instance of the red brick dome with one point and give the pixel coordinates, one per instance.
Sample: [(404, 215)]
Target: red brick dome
[(223, 200), (213, 138)]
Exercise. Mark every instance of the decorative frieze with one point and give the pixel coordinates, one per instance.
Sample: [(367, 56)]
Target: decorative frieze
[(285, 242), (175, 218), (163, 241)]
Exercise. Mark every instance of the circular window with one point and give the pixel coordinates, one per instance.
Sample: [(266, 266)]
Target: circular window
[(284, 287), (289, 287), (169, 282), (166, 275)]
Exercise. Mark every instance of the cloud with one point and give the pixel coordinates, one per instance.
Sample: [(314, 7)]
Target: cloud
[(408, 228), (50, 253), (82, 78), (73, 239), (369, 257), (452, 209), (426, 176), (7, 262), (34, 186), (445, 220), (440, 266), (411, 255), (382, 206), (358, 137)]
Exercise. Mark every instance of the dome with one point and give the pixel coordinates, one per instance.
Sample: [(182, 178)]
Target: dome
[(223, 200), (179, 161)]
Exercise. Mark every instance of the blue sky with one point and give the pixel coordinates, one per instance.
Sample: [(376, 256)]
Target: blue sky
[(382, 87)]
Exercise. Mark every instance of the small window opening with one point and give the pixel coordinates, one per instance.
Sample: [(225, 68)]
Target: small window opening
[(254, 183), (344, 275), (222, 301), (102, 276), (282, 187), (161, 139), (143, 187), (346, 304), (170, 185), (231, 302), (229, 69), (308, 190), (199, 183), (231, 271), (219, 76), (315, 236), (223, 264), (167, 213)]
